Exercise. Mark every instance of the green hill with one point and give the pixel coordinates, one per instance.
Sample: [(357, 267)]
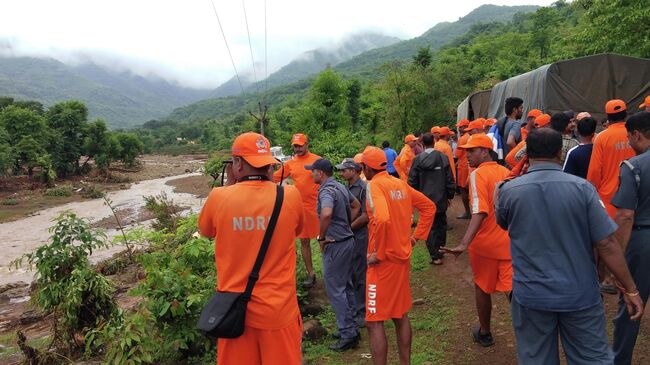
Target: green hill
[(363, 66), (442, 33), (121, 98)]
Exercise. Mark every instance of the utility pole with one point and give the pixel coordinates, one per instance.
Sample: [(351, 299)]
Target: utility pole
[(262, 118)]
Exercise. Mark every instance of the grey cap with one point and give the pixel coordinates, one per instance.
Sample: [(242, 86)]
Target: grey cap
[(348, 163)]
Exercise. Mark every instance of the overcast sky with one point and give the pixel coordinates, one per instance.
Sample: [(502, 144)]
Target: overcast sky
[(180, 40)]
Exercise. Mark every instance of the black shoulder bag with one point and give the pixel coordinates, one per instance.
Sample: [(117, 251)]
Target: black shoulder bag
[(225, 314)]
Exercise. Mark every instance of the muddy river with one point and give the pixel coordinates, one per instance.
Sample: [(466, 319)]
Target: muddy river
[(24, 235)]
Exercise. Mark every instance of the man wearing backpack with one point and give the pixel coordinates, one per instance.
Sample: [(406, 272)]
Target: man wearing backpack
[(633, 218)]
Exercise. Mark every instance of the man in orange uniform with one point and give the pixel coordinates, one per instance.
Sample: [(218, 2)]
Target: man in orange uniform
[(405, 159), (489, 245), (435, 131), (530, 123), (517, 157), (295, 168), (273, 327), (611, 147), (443, 146), (463, 167), (390, 203)]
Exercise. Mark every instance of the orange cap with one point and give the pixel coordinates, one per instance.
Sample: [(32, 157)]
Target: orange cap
[(435, 129), (583, 115), (358, 158), (475, 124), (542, 121), (299, 139), (615, 106), (254, 148), (374, 158), (646, 102), (490, 122), (480, 140), (534, 113), (462, 123), (445, 131), (410, 138)]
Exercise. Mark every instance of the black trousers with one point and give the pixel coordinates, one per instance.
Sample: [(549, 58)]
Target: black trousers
[(438, 235)]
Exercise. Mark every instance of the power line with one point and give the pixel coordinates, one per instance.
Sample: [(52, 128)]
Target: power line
[(266, 58), (250, 46), (227, 47)]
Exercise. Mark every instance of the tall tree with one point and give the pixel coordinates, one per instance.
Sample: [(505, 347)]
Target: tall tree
[(67, 121)]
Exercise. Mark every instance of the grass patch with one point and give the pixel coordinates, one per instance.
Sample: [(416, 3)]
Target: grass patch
[(92, 192), (420, 258), (62, 190), (9, 202)]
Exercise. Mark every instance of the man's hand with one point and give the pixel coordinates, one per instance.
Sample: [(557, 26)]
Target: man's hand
[(414, 241), (634, 306), (372, 259), (456, 251), (325, 242)]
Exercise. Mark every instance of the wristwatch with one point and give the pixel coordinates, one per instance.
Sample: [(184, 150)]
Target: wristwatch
[(320, 239)]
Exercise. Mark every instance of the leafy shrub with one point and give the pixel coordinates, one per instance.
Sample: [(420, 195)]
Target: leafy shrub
[(164, 211), (80, 298), (92, 192), (9, 202), (180, 278), (63, 190)]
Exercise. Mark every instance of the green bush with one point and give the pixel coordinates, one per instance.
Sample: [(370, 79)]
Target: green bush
[(80, 298), (63, 190), (9, 202), (92, 192), (164, 211)]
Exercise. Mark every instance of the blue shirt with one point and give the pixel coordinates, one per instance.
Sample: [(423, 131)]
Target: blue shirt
[(553, 220), (577, 160), (632, 195), (391, 155), (332, 194)]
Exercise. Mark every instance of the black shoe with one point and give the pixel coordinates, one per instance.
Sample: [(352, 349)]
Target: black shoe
[(309, 281), (342, 345), (337, 335), (484, 340)]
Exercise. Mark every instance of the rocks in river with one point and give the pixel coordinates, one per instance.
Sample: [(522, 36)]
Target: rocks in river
[(17, 284), (31, 316)]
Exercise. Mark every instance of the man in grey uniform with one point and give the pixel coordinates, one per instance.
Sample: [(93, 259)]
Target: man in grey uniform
[(336, 209), (350, 172), (633, 217), (554, 221)]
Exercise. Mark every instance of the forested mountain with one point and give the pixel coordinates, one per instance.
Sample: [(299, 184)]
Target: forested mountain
[(307, 64), (123, 99), (441, 34), (364, 66)]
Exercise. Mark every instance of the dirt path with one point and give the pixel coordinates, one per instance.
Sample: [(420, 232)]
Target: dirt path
[(442, 325)]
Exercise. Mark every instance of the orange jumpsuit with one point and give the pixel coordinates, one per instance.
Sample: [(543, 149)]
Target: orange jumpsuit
[(404, 161), (611, 147), (511, 158), (463, 163), (273, 327), (295, 168), (489, 251), (390, 203), (443, 146)]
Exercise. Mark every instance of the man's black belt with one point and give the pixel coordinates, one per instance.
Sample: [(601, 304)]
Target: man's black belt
[(639, 227)]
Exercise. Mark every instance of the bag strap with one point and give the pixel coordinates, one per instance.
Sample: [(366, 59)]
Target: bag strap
[(255, 273)]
